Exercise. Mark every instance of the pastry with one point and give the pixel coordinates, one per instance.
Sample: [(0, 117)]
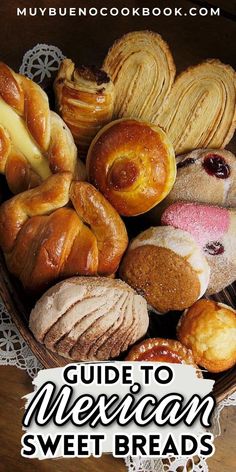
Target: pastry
[(142, 69), (208, 328), (43, 239), (161, 350), (85, 100), (89, 318), (214, 229), (204, 176), (34, 141), (133, 164), (167, 267), (200, 111)]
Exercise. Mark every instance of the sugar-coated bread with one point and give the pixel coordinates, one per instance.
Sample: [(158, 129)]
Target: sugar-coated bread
[(133, 164), (214, 229), (89, 318), (142, 68), (85, 100), (208, 328), (44, 239), (200, 111), (167, 267), (34, 141)]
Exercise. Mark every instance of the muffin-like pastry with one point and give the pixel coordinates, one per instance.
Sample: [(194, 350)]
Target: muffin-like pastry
[(208, 328), (89, 318), (142, 68), (200, 111), (161, 350), (214, 229), (133, 164), (167, 267), (85, 100)]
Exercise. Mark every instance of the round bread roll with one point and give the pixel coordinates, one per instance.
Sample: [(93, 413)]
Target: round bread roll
[(208, 328), (214, 229), (89, 318), (161, 350), (133, 164), (167, 267)]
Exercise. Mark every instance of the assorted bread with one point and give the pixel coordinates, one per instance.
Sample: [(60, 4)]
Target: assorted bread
[(133, 164), (60, 228), (85, 100)]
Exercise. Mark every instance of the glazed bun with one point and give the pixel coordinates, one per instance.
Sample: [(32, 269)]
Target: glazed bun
[(133, 164), (89, 318), (208, 328), (167, 267)]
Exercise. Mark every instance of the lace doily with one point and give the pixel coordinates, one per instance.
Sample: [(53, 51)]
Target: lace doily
[(41, 63)]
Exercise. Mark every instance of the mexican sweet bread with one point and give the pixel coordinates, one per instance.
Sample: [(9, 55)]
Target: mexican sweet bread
[(132, 163), (200, 111), (89, 319), (214, 230), (208, 328), (167, 267), (85, 100), (142, 69), (34, 141), (44, 239)]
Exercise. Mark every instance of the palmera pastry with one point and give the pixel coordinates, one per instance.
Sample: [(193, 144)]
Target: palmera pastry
[(167, 267), (161, 350), (34, 141), (89, 319), (142, 69), (85, 100), (133, 164), (205, 176), (214, 229), (208, 328), (43, 241), (200, 111)]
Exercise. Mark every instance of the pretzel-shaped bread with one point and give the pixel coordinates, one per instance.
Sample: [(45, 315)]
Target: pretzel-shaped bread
[(44, 239)]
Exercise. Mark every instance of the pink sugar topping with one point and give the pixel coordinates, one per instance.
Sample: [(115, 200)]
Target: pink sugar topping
[(204, 222)]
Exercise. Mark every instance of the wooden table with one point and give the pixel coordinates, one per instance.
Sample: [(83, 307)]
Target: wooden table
[(15, 383), (86, 40)]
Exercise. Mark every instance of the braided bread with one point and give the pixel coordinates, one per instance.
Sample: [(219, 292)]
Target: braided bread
[(44, 239), (142, 69), (85, 100), (34, 141), (200, 111), (133, 164)]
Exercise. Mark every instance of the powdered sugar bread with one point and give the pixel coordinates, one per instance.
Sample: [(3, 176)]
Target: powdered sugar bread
[(214, 229), (89, 318), (167, 267)]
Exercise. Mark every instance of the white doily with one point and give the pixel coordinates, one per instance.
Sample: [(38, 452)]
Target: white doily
[(38, 64)]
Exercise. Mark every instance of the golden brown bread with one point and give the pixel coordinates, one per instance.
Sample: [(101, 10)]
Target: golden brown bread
[(142, 69), (85, 100), (89, 319), (34, 141), (43, 239), (133, 164), (208, 328), (200, 111)]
